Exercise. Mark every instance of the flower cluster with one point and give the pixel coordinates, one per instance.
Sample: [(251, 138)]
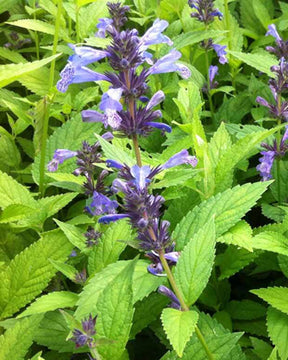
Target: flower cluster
[(272, 151), (85, 336), (140, 207), (278, 109), (205, 11), (127, 56)]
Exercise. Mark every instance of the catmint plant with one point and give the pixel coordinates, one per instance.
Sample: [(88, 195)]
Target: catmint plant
[(279, 109)]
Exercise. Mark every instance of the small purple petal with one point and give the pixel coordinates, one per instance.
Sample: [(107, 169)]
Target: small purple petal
[(221, 53), (93, 116), (213, 71), (114, 164), (156, 99), (266, 163), (110, 100), (140, 175), (119, 186), (108, 136), (262, 101), (103, 25), (181, 157), (156, 269), (111, 218), (169, 293), (273, 32), (161, 126), (86, 55), (60, 155), (172, 256), (154, 34), (101, 204)]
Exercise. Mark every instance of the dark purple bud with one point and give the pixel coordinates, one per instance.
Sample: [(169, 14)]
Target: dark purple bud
[(114, 164), (161, 126), (112, 218), (169, 293), (182, 157)]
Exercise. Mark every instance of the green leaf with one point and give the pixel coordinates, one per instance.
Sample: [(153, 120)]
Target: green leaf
[(50, 302), (30, 271), (13, 72), (260, 62), (233, 260), (277, 324), (114, 152), (194, 37), (275, 296), (110, 246), (227, 208), (239, 235), (245, 310), (236, 153), (271, 241), (68, 270), (195, 263), (16, 341), (73, 234), (179, 327), (143, 285), (219, 144), (115, 313), (262, 12), (16, 212)]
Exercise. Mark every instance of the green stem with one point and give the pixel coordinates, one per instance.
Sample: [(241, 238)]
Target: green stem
[(95, 354), (211, 106), (36, 33), (137, 150), (47, 103), (184, 307), (77, 24)]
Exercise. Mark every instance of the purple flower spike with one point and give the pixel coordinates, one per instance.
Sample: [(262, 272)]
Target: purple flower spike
[(161, 126), (260, 100), (181, 157), (101, 204), (154, 34), (266, 163), (221, 53), (114, 164), (112, 218), (273, 32), (213, 71), (60, 155), (156, 99), (170, 294), (140, 175), (103, 25)]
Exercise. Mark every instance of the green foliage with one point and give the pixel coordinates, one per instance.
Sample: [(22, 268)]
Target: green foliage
[(16, 341), (275, 296), (277, 325), (179, 327), (195, 263), (227, 208), (30, 271)]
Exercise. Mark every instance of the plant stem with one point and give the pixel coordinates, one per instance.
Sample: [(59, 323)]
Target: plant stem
[(77, 24), (209, 89), (95, 354), (184, 307), (137, 150), (47, 103), (169, 272), (36, 33)]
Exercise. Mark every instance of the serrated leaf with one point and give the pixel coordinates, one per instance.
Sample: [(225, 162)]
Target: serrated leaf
[(143, 285), (11, 192), (68, 270), (277, 324), (233, 260), (16, 212), (271, 241), (239, 235), (236, 153), (219, 144), (13, 72), (260, 62), (179, 327), (110, 246), (194, 37), (16, 341), (195, 263), (245, 310), (51, 302), (115, 312), (227, 208), (275, 296), (73, 234), (30, 271)]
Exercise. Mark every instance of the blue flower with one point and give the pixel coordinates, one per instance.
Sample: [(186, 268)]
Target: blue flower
[(140, 175), (154, 35), (273, 32), (168, 64), (107, 219), (266, 163), (213, 71), (110, 104), (60, 155), (101, 204), (103, 25), (170, 294), (221, 53), (182, 157)]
